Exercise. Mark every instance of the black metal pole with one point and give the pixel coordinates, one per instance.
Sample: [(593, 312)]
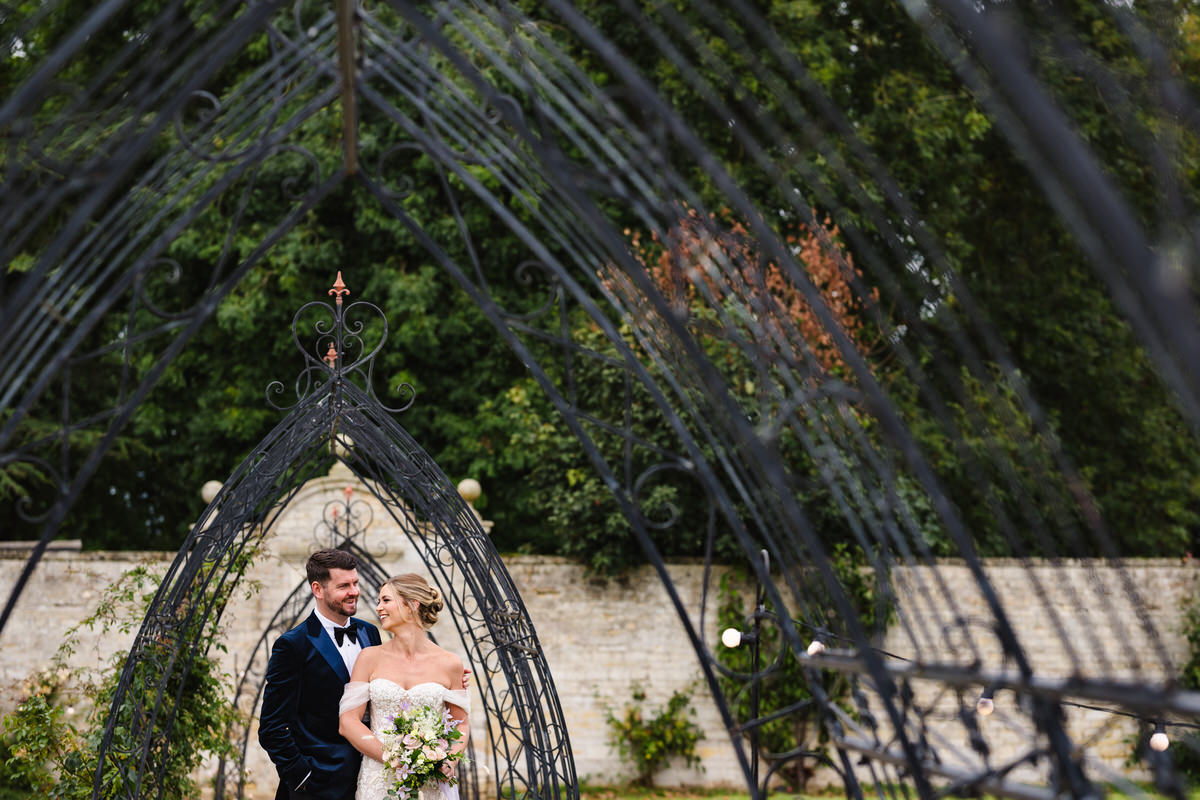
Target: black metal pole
[(760, 610)]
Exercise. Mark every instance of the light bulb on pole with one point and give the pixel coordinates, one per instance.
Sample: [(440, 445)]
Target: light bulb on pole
[(1158, 740), (986, 705), (731, 637)]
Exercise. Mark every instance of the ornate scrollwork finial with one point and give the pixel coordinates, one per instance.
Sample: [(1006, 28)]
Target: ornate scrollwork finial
[(339, 288), (340, 346)]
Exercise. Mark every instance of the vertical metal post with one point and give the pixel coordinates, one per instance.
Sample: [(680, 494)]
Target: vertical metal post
[(760, 611), (345, 24)]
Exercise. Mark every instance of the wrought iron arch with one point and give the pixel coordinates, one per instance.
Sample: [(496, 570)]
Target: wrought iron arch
[(483, 88), (528, 749)]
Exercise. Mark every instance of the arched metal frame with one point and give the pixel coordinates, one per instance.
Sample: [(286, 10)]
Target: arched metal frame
[(482, 87), (528, 750)]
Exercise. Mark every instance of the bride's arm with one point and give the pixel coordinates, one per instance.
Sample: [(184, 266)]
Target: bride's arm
[(460, 716), (458, 712), (350, 724)]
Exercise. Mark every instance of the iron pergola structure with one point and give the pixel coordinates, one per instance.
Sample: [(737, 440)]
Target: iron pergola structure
[(105, 168), (344, 524), (336, 418)]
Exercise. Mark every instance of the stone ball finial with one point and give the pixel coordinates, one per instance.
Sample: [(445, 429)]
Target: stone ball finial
[(469, 489), (342, 445), (209, 490)]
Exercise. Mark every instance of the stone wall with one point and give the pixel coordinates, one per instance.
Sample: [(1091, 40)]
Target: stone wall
[(1120, 624), (600, 637)]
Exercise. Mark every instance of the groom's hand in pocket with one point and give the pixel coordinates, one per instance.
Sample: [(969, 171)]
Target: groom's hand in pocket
[(303, 785)]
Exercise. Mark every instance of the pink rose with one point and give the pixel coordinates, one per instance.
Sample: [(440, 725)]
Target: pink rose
[(434, 753), (410, 741)]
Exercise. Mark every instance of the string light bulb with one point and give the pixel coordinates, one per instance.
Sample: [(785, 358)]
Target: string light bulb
[(816, 647), (731, 637), (986, 704), (1158, 740)]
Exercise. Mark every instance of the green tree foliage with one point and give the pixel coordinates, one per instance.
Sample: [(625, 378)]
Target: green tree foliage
[(524, 433), (479, 414), (1103, 400)]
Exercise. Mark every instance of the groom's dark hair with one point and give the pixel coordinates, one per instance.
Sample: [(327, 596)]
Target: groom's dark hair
[(320, 562)]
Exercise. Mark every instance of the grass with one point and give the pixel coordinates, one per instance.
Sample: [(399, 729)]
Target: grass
[(590, 792), (657, 793)]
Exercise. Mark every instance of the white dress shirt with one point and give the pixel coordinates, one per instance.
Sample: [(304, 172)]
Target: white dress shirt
[(348, 650)]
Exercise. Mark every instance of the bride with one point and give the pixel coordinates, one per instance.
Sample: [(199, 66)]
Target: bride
[(405, 671)]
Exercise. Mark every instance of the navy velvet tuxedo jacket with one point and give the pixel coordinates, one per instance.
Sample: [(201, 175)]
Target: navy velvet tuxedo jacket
[(299, 723)]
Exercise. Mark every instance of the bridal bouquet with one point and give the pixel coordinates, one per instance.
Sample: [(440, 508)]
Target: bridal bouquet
[(417, 749)]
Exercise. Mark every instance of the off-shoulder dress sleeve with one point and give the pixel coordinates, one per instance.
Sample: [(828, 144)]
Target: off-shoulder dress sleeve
[(458, 697), (355, 694)]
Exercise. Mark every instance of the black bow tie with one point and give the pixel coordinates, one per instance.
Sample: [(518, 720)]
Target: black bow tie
[(348, 632)]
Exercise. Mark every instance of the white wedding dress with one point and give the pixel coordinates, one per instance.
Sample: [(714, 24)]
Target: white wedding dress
[(385, 697)]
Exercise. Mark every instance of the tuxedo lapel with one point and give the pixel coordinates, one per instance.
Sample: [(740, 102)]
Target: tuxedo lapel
[(324, 645), (368, 634)]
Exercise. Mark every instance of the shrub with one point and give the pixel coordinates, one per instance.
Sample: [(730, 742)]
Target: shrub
[(646, 741), (44, 754)]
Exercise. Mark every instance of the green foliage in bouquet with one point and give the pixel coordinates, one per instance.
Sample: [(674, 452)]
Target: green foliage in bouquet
[(418, 748)]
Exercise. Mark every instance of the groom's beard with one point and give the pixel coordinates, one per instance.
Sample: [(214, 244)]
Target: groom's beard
[(346, 608)]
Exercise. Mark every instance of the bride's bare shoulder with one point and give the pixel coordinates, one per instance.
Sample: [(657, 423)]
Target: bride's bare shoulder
[(364, 665), (449, 661), (369, 655), (445, 656)]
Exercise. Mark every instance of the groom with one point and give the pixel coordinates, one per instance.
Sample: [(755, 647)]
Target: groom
[(309, 666)]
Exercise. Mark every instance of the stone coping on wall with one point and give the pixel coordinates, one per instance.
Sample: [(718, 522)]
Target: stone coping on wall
[(526, 558), (1068, 562), (70, 549), (11, 551)]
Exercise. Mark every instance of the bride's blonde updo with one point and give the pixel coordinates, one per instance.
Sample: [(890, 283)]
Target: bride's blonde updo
[(411, 586)]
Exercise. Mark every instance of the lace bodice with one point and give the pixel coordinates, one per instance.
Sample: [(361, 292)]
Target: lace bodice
[(385, 697)]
